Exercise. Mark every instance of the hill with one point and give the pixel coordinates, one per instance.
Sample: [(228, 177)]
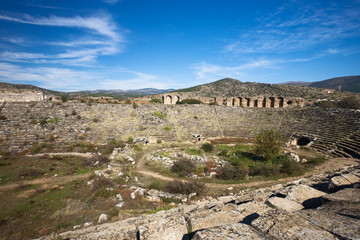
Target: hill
[(121, 93), (10, 87), (351, 84), (229, 87)]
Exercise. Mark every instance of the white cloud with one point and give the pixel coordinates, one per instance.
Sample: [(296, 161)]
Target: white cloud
[(104, 39), (62, 79), (298, 26)]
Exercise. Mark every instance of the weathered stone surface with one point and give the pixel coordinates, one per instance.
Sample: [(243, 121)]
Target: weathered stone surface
[(339, 218), (234, 231), (285, 204), (277, 224), (301, 193), (344, 180), (346, 195), (209, 218), (164, 229)]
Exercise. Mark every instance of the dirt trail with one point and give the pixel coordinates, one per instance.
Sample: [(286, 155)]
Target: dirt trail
[(330, 165), (50, 181)]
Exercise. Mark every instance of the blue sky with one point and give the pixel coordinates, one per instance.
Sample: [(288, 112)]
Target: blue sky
[(130, 44)]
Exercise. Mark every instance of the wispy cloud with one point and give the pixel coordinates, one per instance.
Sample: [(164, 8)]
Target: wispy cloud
[(111, 1), (101, 36), (57, 78), (298, 26), (208, 71)]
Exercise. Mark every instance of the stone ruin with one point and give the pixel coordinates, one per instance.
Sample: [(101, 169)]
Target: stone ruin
[(244, 102), (25, 95), (324, 206)]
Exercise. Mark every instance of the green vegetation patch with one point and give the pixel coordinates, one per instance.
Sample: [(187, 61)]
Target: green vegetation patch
[(159, 114)]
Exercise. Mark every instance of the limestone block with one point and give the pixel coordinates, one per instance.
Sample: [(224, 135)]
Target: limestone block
[(342, 180), (345, 195), (285, 204), (339, 218), (208, 218), (169, 228), (234, 231), (301, 193), (277, 224)]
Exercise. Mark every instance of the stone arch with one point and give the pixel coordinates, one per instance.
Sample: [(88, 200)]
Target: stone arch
[(256, 103), (175, 99), (280, 102), (271, 102), (247, 102), (233, 102), (264, 103), (168, 99), (303, 141)]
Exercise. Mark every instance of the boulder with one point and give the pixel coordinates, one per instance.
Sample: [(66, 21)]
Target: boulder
[(285, 204), (103, 217), (234, 231), (277, 224)]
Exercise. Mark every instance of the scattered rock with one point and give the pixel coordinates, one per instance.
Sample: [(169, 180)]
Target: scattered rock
[(103, 217)]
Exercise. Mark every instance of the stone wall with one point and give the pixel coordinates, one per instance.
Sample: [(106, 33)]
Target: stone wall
[(25, 125), (22, 95), (244, 102)]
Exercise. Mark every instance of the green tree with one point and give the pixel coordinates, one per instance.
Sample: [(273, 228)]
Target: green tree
[(64, 97), (268, 144)]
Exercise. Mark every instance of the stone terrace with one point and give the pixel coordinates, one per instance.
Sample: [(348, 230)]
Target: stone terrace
[(336, 131)]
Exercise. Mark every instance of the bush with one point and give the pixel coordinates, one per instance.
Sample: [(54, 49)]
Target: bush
[(166, 128), (53, 120), (290, 167), (268, 144), (101, 182), (155, 100), (349, 102), (207, 147), (73, 112), (43, 122), (189, 101), (280, 159), (317, 160), (183, 167), (64, 97), (266, 170), (156, 184), (2, 117), (159, 115), (134, 105), (229, 172), (185, 187), (31, 172)]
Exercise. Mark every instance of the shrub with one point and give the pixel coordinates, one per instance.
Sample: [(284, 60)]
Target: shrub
[(64, 97), (194, 151), (266, 170), (325, 104), (2, 117), (185, 187), (43, 122), (166, 128), (183, 167), (53, 120), (95, 120), (349, 102), (31, 172), (130, 140), (290, 167), (268, 144), (207, 147), (155, 100), (189, 101), (134, 105), (156, 184), (280, 159), (73, 112), (316, 160), (159, 115), (101, 182), (229, 172)]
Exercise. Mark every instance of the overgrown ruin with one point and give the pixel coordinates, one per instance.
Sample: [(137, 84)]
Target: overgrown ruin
[(244, 102)]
